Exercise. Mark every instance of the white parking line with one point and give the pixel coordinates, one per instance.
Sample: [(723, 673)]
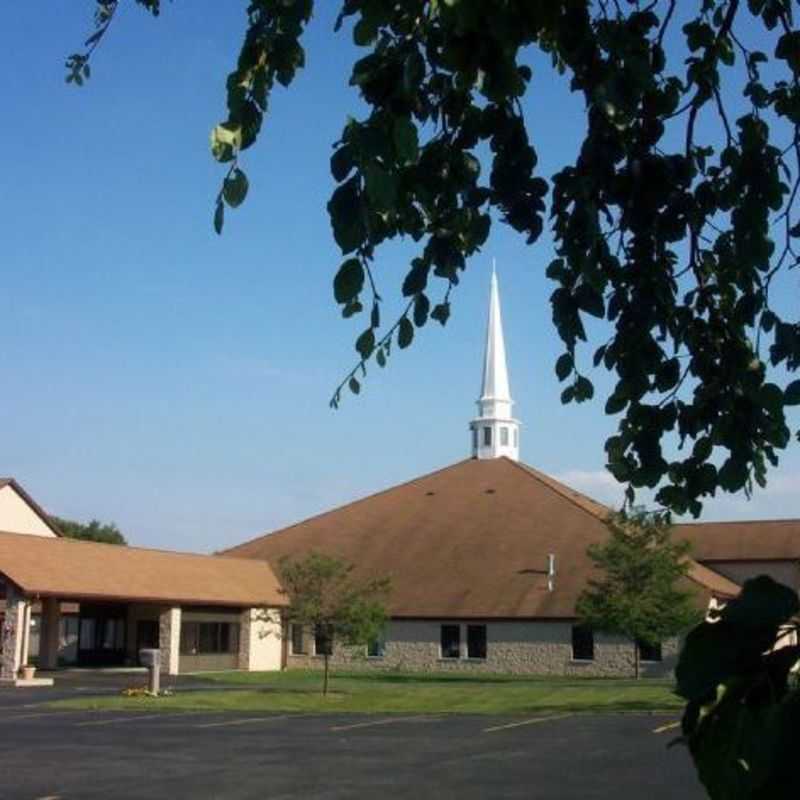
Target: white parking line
[(135, 718), (668, 727), (247, 721), (387, 721), (533, 721)]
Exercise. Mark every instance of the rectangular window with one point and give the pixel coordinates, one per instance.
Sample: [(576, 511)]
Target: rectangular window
[(515, 437), (487, 437), (209, 637), (474, 438), (451, 641), (377, 648), (582, 643), (323, 645), (297, 640), (504, 437), (476, 641), (649, 652)]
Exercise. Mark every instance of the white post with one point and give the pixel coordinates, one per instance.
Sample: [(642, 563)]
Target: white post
[(26, 634)]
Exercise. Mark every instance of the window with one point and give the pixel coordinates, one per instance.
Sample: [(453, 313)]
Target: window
[(582, 643), (515, 437), (377, 648), (297, 640), (474, 438), (451, 641), (487, 437), (504, 436), (649, 652), (209, 637), (323, 643), (476, 641)]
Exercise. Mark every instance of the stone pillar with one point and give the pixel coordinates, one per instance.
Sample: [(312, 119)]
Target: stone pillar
[(245, 632), (49, 639), (13, 633), (169, 639)]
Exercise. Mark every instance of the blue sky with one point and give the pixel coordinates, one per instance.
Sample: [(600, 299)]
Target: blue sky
[(177, 382)]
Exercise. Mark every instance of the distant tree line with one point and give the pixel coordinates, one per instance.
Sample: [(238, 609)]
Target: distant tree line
[(94, 531)]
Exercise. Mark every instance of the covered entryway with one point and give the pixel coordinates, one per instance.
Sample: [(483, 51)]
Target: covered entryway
[(201, 612)]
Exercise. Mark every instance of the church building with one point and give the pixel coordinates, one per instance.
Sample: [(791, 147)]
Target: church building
[(487, 558)]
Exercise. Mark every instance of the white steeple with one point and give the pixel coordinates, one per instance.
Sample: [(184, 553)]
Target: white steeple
[(495, 432)]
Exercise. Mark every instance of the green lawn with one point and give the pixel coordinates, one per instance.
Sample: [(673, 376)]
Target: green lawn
[(299, 691)]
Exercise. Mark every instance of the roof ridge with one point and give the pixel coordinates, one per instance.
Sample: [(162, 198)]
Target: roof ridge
[(739, 522), (335, 509), (121, 547), (723, 579), (575, 497)]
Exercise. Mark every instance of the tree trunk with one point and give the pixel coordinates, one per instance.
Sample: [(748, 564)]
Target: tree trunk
[(636, 659), (325, 679)]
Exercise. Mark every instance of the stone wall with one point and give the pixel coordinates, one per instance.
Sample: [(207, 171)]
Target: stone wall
[(525, 648), (11, 634)]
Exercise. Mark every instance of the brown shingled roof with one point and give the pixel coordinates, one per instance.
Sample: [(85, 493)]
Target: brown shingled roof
[(755, 540), (470, 540), (73, 569)]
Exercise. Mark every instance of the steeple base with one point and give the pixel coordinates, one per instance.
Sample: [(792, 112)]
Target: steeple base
[(495, 438)]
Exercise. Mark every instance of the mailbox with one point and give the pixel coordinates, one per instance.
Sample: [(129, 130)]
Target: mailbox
[(149, 657)]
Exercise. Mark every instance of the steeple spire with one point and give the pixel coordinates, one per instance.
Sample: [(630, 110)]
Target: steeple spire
[(495, 432)]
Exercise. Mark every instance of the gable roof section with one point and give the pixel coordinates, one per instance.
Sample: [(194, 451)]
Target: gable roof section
[(73, 569), (756, 540), (35, 507), (467, 541)]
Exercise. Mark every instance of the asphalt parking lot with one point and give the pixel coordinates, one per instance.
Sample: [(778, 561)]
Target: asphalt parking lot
[(73, 755)]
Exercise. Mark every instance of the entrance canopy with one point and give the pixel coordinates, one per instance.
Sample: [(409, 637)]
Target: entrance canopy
[(71, 569)]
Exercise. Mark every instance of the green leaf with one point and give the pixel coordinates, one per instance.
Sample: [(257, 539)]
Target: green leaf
[(345, 212), (421, 308), (441, 313), (349, 281), (770, 397), (406, 140), (342, 163), (791, 397), (235, 187), (226, 141), (365, 344), (564, 366), (355, 386), (380, 357), (381, 187), (405, 333), (584, 390), (219, 217)]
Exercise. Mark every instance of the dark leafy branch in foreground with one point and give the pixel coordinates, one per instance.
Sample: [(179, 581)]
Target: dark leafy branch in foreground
[(674, 240)]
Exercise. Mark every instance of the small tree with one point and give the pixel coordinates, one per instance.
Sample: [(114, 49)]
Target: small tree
[(637, 596), (325, 597)]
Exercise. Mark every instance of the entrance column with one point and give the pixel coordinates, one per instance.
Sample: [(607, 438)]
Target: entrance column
[(169, 639), (51, 625), (14, 634)]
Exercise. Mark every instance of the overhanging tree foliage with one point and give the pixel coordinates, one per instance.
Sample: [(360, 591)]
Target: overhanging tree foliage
[(94, 531), (673, 225), (637, 594), (673, 238), (326, 599)]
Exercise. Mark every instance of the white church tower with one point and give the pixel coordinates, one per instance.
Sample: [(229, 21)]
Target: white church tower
[(495, 432)]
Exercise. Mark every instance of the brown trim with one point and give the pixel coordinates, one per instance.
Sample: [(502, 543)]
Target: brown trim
[(162, 601)]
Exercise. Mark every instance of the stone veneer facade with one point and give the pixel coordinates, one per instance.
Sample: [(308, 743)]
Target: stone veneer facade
[(534, 647), (11, 633)]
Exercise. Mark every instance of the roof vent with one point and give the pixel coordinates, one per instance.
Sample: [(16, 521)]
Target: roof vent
[(490, 491), (430, 494)]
